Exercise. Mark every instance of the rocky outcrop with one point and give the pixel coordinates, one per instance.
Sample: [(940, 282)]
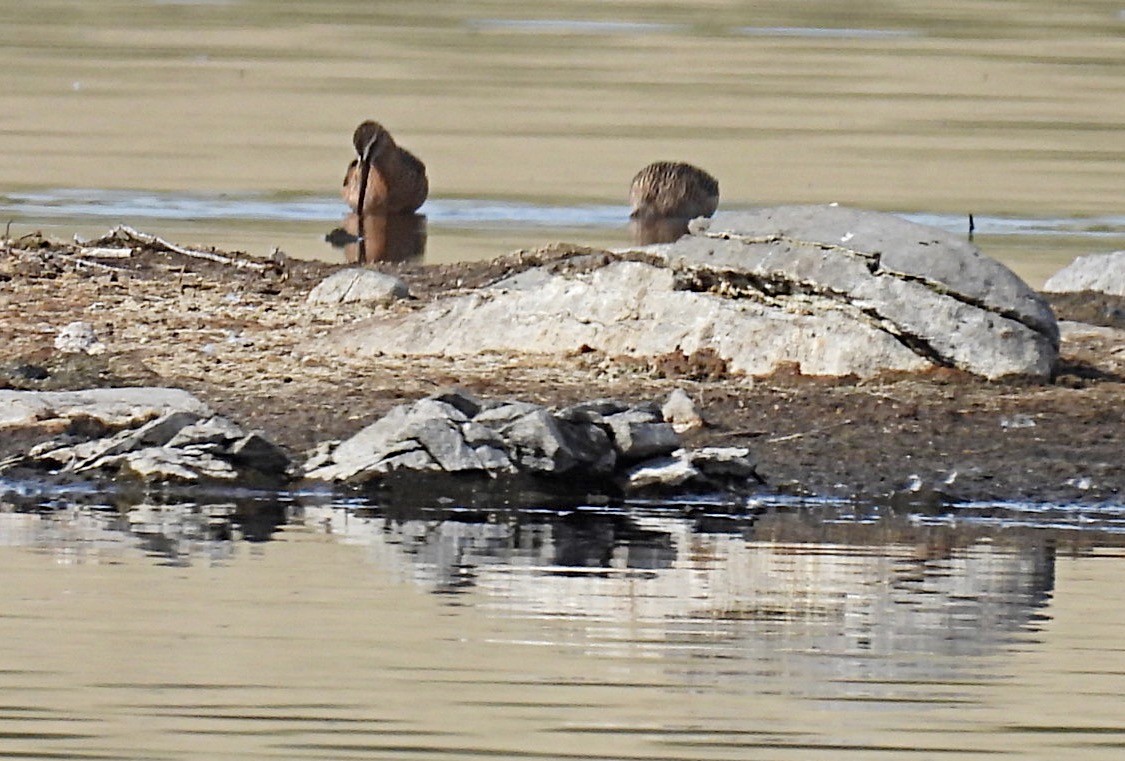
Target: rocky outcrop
[(831, 291), (1104, 273), (152, 435), (589, 448)]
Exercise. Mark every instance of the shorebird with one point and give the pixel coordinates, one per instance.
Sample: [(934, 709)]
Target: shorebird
[(383, 178), (673, 190)]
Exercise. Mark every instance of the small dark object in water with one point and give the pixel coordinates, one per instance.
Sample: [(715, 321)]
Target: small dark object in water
[(672, 189), (339, 237)]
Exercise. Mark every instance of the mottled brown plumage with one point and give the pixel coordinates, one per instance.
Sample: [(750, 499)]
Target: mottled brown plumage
[(671, 189), (383, 178)]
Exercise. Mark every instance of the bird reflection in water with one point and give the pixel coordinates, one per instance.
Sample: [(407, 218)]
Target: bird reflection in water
[(644, 231), (380, 238)]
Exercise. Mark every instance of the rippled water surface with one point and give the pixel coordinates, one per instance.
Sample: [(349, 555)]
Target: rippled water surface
[(228, 123), (306, 629)]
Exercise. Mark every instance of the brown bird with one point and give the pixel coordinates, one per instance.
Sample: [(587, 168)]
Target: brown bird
[(671, 189), (383, 178)]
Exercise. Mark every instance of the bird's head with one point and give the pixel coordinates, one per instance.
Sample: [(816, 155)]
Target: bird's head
[(370, 139)]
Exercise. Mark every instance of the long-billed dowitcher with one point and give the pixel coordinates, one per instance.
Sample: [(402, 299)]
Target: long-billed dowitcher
[(383, 178)]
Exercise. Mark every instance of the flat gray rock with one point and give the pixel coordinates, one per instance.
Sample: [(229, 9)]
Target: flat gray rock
[(150, 434), (112, 407), (829, 290), (358, 285), (1096, 272)]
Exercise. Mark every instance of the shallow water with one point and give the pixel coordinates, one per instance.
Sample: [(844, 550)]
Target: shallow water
[(307, 629), (1009, 111)]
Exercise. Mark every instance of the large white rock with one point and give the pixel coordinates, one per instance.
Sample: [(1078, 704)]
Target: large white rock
[(833, 291), (1096, 272)]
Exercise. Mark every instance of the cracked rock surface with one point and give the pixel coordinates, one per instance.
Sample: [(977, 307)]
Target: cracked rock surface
[(588, 445), (152, 435), (828, 290)]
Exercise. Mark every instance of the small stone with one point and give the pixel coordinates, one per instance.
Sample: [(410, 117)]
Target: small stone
[(445, 444), (723, 463), (498, 415), (358, 285), (79, 338), (636, 435), (214, 430), (460, 399), (320, 455), (163, 464), (542, 443), (417, 459), (661, 472), (592, 411), (258, 453), (494, 460), (679, 410)]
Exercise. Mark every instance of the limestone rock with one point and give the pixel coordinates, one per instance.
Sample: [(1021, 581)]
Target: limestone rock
[(542, 443), (110, 407), (147, 434), (664, 472), (720, 463), (358, 285), (164, 464), (258, 453), (1096, 272), (832, 291), (709, 468), (79, 338), (500, 438), (638, 435), (679, 410)]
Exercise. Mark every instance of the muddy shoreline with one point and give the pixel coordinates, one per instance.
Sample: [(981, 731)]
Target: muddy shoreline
[(243, 339)]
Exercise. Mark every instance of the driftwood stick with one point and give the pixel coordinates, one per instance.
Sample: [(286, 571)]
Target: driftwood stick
[(153, 240), (810, 432), (80, 262)]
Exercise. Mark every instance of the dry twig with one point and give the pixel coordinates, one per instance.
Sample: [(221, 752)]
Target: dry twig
[(153, 240)]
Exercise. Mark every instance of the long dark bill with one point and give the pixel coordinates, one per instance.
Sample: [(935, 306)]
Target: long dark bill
[(364, 171)]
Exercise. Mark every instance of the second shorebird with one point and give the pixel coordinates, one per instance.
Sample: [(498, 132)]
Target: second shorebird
[(673, 190), (383, 178)]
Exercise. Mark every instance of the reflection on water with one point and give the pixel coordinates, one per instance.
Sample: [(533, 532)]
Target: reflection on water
[(378, 238), (650, 230), (699, 630)]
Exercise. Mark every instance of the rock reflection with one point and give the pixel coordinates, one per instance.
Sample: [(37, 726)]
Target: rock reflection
[(648, 230), (177, 533), (375, 238), (735, 586)]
